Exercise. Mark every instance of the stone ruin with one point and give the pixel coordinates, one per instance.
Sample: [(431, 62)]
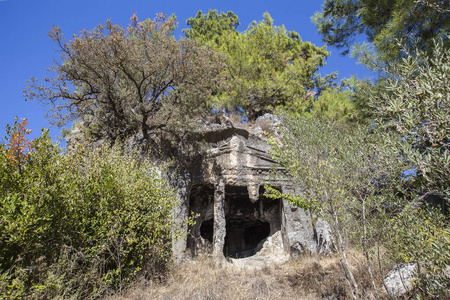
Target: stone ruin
[(234, 220)]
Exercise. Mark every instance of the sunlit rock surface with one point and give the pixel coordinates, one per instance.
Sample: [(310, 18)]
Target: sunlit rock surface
[(225, 193)]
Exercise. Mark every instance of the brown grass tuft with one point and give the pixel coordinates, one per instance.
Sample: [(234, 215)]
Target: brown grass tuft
[(308, 277)]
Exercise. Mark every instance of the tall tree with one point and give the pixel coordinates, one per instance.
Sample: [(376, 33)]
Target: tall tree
[(135, 81), (383, 22), (266, 65), (209, 27)]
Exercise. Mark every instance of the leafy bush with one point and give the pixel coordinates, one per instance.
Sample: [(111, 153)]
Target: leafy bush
[(338, 167), (422, 236), (414, 105), (413, 110), (380, 184), (80, 224)]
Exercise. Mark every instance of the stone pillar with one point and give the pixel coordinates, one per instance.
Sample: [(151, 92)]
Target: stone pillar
[(219, 221)]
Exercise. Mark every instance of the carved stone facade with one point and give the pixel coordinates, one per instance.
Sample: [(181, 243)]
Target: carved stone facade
[(234, 219)]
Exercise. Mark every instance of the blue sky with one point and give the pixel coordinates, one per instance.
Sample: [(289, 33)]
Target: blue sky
[(26, 50)]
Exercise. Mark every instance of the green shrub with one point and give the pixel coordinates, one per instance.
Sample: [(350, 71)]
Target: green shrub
[(413, 111), (421, 235), (80, 224)]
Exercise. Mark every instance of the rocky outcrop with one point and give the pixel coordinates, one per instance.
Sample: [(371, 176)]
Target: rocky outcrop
[(225, 193), (222, 188)]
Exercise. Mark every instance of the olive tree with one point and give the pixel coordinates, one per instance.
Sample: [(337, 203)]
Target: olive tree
[(413, 110), (339, 170)]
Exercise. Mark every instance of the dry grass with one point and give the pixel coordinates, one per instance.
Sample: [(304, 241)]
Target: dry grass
[(301, 278)]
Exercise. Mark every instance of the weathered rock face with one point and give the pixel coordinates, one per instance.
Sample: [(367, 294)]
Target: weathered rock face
[(225, 193), (400, 279)]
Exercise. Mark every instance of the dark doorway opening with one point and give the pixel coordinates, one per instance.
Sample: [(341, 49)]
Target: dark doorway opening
[(248, 223), (200, 234), (207, 230), (244, 235)]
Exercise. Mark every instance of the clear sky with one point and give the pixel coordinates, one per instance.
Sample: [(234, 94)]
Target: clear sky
[(26, 49)]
